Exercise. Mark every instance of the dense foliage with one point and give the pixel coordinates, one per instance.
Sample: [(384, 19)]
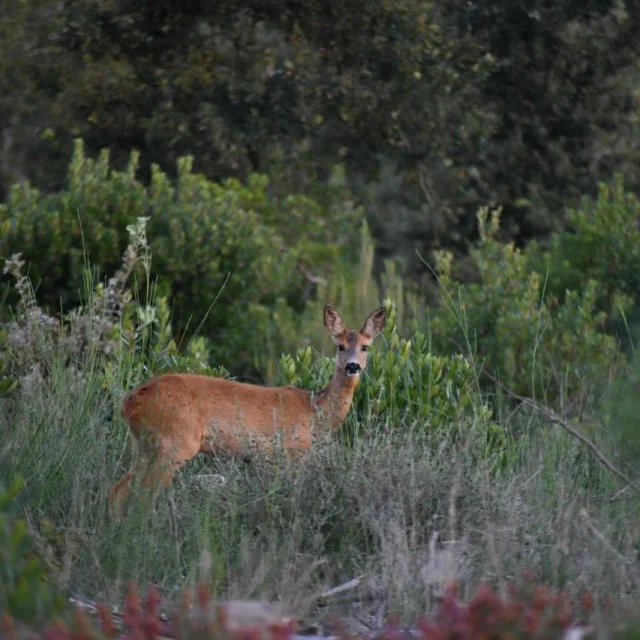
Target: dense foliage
[(434, 109), (428, 447), (226, 262), (184, 185), (221, 251), (26, 591), (537, 344), (601, 243)]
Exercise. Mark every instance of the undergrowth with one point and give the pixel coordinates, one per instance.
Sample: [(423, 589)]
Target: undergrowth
[(435, 479)]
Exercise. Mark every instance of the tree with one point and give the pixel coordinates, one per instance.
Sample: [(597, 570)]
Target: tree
[(433, 108)]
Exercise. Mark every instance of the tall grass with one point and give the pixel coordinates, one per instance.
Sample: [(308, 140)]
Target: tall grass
[(407, 511), (404, 510)]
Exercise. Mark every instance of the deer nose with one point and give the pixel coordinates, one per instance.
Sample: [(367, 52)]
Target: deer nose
[(351, 368)]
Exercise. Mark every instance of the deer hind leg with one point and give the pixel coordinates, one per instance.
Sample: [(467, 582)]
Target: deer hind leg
[(155, 467), (119, 494)]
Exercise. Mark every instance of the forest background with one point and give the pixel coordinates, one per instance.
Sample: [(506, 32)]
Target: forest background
[(184, 185)]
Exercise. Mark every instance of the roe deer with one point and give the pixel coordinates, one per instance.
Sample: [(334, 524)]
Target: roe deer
[(176, 416)]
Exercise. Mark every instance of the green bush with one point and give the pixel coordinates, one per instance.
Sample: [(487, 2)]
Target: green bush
[(529, 611), (209, 242), (7, 381), (111, 331), (622, 418), (601, 244), (404, 383), (536, 344), (25, 592)]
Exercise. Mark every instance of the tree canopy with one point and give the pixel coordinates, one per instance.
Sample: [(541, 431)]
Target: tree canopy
[(434, 109)]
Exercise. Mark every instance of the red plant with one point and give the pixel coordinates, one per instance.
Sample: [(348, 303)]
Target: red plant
[(8, 627), (107, 626), (534, 615), (530, 611)]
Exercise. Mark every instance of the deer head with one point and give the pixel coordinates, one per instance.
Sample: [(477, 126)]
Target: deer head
[(353, 346)]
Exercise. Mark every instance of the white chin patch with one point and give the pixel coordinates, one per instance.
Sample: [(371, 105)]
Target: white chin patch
[(352, 374)]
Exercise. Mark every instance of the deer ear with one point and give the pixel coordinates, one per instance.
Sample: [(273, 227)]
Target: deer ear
[(333, 322), (374, 324)]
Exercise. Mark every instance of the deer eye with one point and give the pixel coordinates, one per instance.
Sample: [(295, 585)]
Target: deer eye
[(340, 347), (365, 347)]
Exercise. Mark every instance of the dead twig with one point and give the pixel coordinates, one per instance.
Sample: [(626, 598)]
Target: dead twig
[(309, 276), (347, 586), (598, 534), (553, 417), (426, 186), (617, 495), (327, 598)]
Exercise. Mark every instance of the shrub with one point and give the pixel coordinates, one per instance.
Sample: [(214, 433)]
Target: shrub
[(354, 290), (601, 244), (7, 381), (112, 331), (404, 383), (623, 411), (208, 240), (537, 345), (530, 611), (25, 592)]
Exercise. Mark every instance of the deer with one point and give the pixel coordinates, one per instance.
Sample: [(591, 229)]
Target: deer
[(175, 416)]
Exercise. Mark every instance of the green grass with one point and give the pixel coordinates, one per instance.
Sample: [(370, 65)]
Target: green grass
[(407, 511), (404, 508)]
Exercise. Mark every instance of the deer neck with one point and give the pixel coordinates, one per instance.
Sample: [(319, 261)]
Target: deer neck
[(334, 401)]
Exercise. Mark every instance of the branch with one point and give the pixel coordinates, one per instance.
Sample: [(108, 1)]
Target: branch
[(352, 584), (308, 276), (553, 417), (425, 185)]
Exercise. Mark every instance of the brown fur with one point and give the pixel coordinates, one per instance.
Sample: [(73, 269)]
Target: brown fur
[(176, 416)]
